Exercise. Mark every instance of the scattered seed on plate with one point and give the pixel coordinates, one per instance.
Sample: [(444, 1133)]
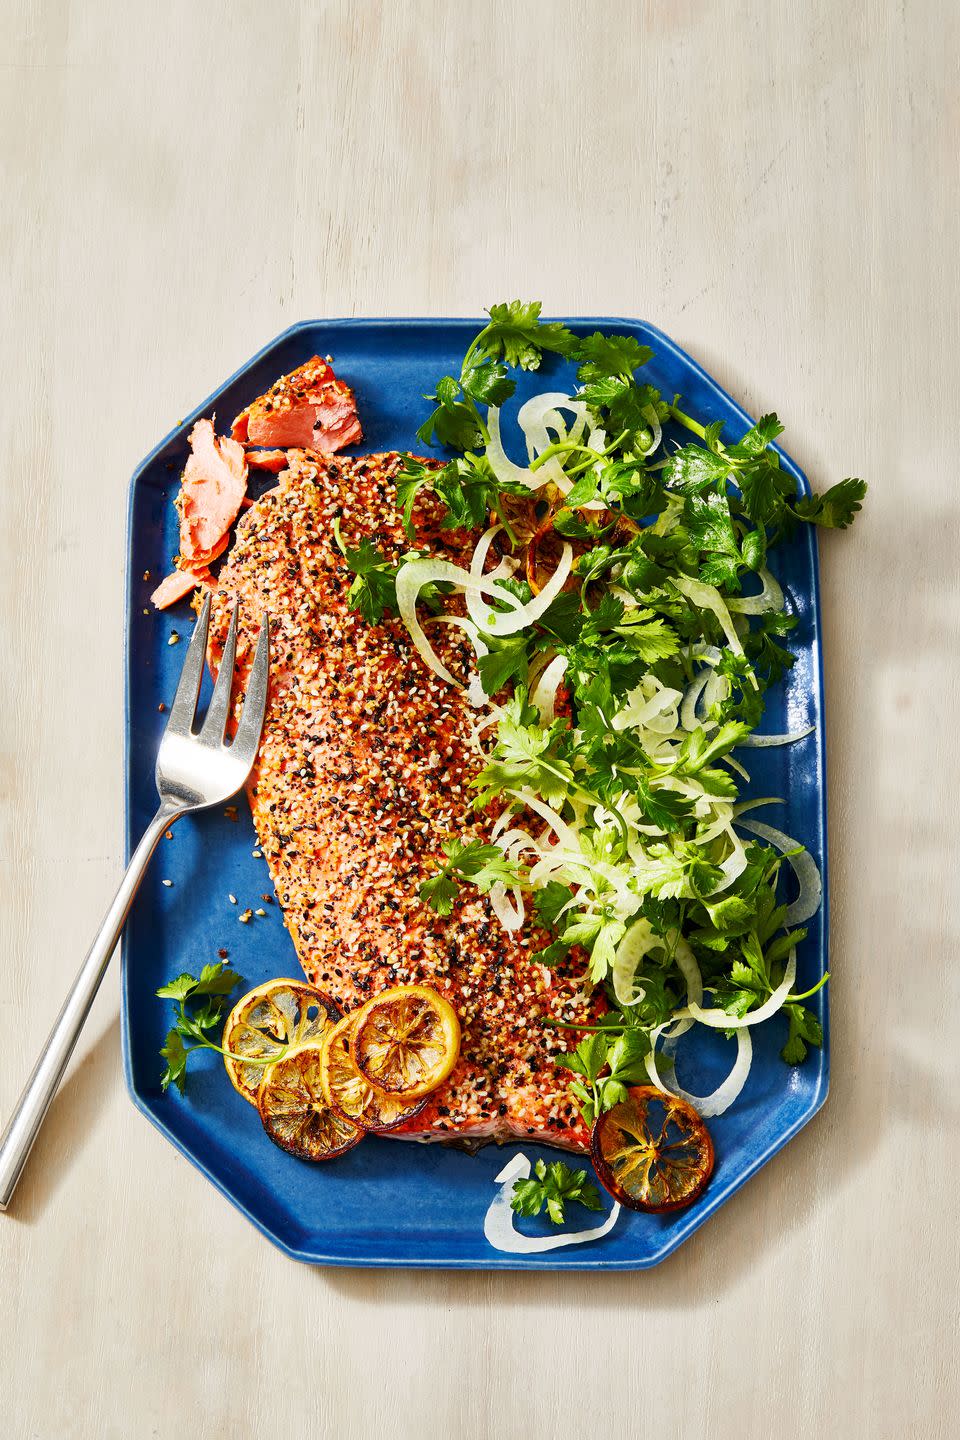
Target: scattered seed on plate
[(257, 854), (231, 812), (168, 835), (145, 610), (260, 911), (246, 917), (162, 708), (146, 574), (224, 954), (168, 883), (232, 899), (174, 639)]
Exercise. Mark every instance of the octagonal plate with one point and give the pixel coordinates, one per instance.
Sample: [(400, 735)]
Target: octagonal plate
[(389, 1202)]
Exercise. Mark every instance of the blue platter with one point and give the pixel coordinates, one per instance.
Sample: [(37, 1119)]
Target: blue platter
[(387, 1202)]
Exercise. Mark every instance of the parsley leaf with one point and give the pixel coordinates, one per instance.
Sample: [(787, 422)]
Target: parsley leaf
[(805, 1029), (483, 865), (374, 588), (664, 808), (618, 1048), (516, 334), (555, 1185), (836, 507), (526, 754), (454, 420), (604, 356), (506, 660)]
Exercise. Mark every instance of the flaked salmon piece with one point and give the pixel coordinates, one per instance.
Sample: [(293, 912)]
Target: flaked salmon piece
[(309, 408), (363, 771), (212, 489), (274, 460), (177, 584), (213, 485)]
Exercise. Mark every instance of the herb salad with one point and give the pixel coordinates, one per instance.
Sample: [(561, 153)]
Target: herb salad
[(626, 628)]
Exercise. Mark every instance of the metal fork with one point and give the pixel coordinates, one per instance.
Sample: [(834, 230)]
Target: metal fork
[(194, 770)]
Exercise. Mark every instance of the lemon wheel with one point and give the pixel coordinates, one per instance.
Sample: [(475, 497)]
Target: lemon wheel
[(266, 1022), (652, 1151), (406, 1041), (350, 1093), (295, 1113)]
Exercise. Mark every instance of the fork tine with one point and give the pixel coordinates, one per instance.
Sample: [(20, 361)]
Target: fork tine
[(184, 706), (247, 738), (215, 725)]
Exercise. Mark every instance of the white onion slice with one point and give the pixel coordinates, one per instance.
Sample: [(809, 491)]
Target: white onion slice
[(524, 615), (501, 465), (757, 742), (638, 942), (535, 416), (510, 915), (415, 574), (770, 597), (639, 711), (733, 867), (803, 865), (735, 765), (688, 710), (723, 1097), (690, 970), (544, 697), (476, 695), (477, 611), (562, 830), (635, 945), (708, 597), (720, 1020), (412, 577), (502, 622), (655, 428), (498, 1224), (514, 842)]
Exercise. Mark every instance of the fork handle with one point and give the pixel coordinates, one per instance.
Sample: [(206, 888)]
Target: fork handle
[(24, 1124)]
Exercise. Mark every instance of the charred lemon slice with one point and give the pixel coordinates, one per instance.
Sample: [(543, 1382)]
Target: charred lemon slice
[(295, 1113), (350, 1093), (268, 1020), (652, 1151), (405, 1041)]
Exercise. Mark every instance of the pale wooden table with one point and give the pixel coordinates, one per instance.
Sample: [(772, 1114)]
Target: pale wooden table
[(776, 186)]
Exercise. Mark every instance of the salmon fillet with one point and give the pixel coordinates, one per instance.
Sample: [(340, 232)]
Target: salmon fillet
[(363, 770)]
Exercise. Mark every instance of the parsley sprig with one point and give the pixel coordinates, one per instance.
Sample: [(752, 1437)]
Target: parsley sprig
[(515, 337), (555, 1186), (607, 1061), (200, 1005), (483, 865)]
